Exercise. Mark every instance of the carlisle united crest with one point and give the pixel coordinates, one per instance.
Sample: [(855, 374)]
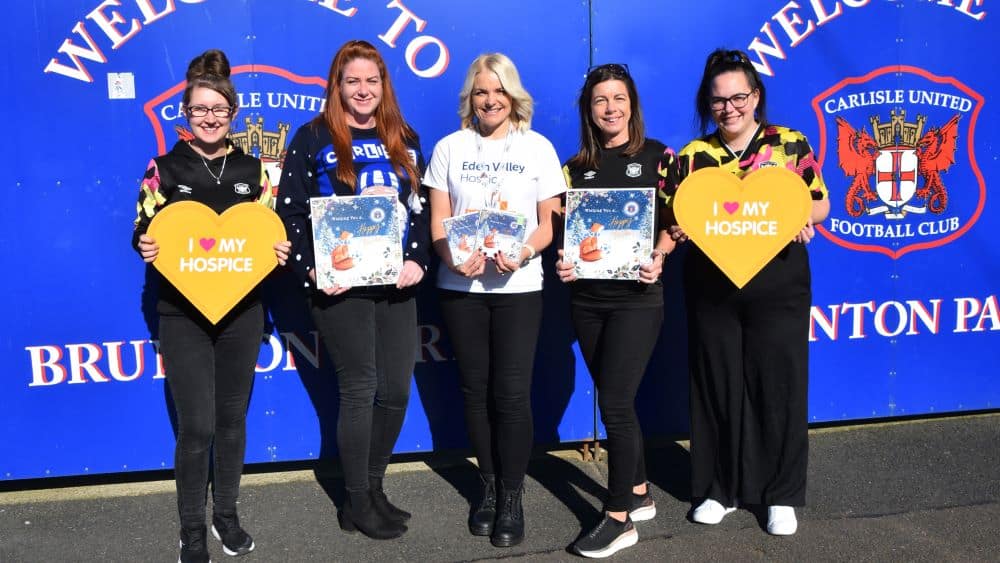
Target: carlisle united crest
[(902, 175)]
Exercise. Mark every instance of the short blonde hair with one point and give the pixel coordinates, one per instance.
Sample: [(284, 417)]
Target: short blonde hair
[(522, 106)]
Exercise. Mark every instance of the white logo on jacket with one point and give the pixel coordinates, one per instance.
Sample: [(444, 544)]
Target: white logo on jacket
[(242, 188), (633, 170)]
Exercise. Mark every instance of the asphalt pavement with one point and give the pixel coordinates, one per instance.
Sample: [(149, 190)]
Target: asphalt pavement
[(916, 490)]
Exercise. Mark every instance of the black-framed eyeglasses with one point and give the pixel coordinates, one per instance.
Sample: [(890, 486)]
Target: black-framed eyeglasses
[(217, 111), (614, 69), (739, 101)]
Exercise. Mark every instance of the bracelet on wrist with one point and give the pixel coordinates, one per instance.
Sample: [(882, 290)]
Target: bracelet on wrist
[(531, 251)]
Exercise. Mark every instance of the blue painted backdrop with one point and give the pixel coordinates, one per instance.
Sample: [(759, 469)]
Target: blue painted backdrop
[(905, 310)]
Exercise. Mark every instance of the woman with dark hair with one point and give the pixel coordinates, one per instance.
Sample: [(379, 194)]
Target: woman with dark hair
[(749, 355), (493, 307), (617, 322), (369, 332), (209, 367)]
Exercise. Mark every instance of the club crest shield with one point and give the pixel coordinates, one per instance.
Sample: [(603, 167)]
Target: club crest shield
[(897, 149)]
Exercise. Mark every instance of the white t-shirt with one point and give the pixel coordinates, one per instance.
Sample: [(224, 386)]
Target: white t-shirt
[(512, 173)]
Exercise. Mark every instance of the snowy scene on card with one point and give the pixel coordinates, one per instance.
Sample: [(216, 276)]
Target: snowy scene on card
[(609, 232), (357, 240)]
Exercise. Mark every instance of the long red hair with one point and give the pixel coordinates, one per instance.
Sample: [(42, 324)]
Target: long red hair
[(393, 131)]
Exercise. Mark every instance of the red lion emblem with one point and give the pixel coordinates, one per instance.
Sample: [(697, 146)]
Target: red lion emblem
[(856, 151), (936, 154)]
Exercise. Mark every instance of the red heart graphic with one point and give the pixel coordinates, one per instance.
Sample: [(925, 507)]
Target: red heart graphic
[(731, 206), (207, 243)]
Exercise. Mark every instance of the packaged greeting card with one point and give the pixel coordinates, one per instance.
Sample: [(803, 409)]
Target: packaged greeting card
[(357, 240), (463, 236), (502, 231)]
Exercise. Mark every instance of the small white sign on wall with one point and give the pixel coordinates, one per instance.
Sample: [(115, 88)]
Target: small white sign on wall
[(121, 86)]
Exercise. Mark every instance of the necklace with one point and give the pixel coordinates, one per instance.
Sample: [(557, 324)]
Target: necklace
[(739, 153), (218, 179)]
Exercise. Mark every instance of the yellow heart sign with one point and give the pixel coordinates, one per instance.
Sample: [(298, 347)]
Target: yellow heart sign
[(742, 225), (215, 260)]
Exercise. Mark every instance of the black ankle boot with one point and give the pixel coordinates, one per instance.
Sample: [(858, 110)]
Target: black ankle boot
[(382, 504), (359, 514), (509, 529), (483, 515)]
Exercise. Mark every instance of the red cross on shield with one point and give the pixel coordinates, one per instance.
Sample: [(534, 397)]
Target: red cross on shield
[(896, 175)]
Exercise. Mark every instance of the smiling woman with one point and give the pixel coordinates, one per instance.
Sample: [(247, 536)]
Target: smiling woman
[(209, 365), (748, 342), (492, 306), (617, 321), (361, 145)]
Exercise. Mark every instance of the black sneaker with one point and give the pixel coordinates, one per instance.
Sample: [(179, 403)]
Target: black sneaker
[(607, 538), (235, 540), (193, 548), (643, 508)]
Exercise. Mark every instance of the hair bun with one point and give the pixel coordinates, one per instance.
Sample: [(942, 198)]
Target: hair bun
[(210, 63)]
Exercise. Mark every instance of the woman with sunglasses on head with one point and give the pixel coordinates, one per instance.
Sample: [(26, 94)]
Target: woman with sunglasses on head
[(360, 145), (493, 307), (617, 322), (209, 367), (749, 353)]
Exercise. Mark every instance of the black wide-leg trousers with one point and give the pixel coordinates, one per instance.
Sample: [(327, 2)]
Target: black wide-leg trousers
[(749, 364)]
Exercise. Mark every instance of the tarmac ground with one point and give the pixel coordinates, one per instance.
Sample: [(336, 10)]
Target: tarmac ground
[(915, 490)]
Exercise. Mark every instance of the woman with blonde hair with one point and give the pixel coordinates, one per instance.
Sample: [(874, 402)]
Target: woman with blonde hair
[(492, 306), (369, 332)]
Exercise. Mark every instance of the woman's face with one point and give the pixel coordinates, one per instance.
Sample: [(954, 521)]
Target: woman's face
[(209, 130), (361, 92), (490, 102), (611, 110), (728, 91)]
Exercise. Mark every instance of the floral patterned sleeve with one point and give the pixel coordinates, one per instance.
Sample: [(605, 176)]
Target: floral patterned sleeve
[(151, 200)]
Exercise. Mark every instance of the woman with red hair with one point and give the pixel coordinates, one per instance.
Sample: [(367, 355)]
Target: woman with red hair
[(368, 331)]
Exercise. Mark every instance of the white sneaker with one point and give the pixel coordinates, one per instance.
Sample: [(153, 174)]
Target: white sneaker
[(781, 520), (711, 512)]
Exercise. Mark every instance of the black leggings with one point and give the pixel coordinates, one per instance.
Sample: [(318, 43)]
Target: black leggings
[(210, 372), (494, 336), (616, 345), (373, 344), (749, 363)]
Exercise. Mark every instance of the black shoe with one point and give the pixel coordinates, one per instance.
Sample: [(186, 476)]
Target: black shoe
[(483, 515), (607, 538), (509, 528), (383, 505), (235, 541), (359, 514), (193, 548), (643, 508)]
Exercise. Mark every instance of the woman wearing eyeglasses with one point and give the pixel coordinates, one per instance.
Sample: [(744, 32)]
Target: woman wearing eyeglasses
[(209, 368), (617, 321), (749, 354), (493, 307), (360, 145)]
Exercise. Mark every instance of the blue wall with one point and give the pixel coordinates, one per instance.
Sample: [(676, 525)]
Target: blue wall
[(904, 309)]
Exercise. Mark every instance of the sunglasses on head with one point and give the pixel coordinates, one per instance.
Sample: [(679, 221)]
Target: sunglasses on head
[(614, 69)]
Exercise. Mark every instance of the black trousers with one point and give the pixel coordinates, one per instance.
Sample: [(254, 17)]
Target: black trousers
[(616, 344), (373, 344), (494, 337), (210, 371), (749, 362)]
